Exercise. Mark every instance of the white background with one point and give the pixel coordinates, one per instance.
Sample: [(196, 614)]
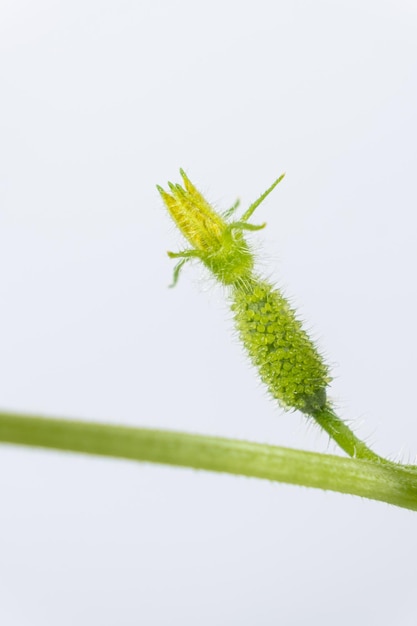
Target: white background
[(99, 102)]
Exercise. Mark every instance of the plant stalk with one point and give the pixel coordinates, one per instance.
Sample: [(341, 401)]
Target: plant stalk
[(345, 438), (394, 484)]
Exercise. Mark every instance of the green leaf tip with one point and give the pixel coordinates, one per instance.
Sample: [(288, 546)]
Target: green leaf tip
[(261, 198)]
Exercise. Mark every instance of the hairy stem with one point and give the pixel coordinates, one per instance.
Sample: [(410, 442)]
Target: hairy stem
[(391, 483), (345, 437)]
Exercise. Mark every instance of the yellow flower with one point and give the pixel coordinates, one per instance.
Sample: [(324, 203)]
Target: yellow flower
[(216, 241), (193, 215)]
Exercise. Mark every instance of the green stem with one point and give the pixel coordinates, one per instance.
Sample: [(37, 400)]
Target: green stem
[(344, 437), (394, 484)]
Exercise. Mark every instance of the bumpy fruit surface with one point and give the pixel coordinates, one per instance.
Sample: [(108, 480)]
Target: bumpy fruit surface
[(287, 360)]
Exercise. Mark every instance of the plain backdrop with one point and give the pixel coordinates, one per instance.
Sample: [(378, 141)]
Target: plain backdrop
[(99, 102)]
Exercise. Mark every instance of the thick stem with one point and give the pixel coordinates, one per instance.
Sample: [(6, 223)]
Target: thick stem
[(389, 483)]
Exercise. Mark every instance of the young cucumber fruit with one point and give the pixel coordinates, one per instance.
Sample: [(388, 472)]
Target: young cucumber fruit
[(286, 358)]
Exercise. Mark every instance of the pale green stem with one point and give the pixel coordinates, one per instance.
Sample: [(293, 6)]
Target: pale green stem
[(345, 437), (394, 484)]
